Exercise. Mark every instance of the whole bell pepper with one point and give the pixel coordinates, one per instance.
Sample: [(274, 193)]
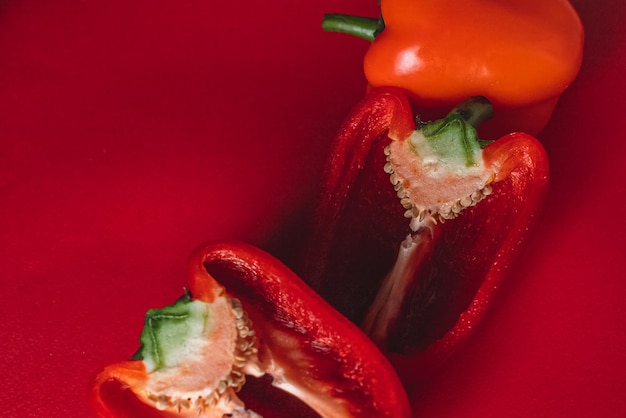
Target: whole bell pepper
[(418, 225), (246, 326), (520, 54)]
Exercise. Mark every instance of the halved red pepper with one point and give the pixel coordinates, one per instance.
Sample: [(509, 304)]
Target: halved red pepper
[(245, 315), (417, 260), (520, 54)]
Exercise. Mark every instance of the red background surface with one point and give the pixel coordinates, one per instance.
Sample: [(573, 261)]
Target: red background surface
[(132, 131)]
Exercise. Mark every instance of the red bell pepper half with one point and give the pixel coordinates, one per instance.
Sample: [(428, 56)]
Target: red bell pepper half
[(417, 260), (246, 316)]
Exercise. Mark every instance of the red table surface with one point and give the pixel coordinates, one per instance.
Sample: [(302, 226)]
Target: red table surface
[(132, 131)]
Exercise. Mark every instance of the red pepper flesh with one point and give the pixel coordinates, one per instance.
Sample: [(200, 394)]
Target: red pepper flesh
[(360, 225), (308, 348)]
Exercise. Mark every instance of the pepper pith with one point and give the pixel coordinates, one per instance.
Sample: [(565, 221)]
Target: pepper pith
[(179, 339), (438, 170)]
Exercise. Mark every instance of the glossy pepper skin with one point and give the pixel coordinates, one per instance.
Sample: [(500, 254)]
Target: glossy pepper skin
[(520, 54), (310, 350), (452, 278)]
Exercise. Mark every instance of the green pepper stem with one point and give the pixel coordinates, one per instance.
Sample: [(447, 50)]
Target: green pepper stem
[(474, 110), (454, 137), (362, 27)]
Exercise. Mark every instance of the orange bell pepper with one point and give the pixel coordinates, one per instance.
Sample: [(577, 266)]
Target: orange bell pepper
[(520, 54)]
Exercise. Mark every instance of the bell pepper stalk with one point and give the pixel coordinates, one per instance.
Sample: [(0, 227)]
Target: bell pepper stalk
[(418, 224), (245, 316), (520, 54)]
